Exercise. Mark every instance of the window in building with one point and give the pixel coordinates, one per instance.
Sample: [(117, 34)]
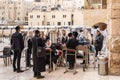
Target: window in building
[(18, 13), (31, 16), (27, 14), (104, 4), (64, 23), (58, 6), (31, 23), (10, 7), (53, 16), (53, 23), (3, 18), (38, 24), (38, 16), (59, 23), (3, 13), (72, 22), (42, 23), (48, 23), (72, 15), (15, 7), (18, 18), (26, 19), (64, 16), (69, 23), (72, 18)]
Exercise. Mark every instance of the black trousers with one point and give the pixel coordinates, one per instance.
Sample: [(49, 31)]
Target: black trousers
[(97, 50), (16, 60), (54, 60), (71, 60), (28, 56), (37, 74)]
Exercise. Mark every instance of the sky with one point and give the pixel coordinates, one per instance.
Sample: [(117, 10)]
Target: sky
[(29, 0), (25, 0)]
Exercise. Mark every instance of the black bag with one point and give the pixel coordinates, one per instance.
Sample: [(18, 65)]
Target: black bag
[(7, 51), (40, 50)]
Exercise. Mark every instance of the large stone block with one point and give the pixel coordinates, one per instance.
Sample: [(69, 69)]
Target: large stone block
[(114, 71), (115, 60), (115, 13), (115, 27), (114, 41), (115, 1), (116, 6), (114, 64), (114, 45), (96, 16)]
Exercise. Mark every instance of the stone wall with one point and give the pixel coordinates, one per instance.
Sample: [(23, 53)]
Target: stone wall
[(114, 36), (92, 17)]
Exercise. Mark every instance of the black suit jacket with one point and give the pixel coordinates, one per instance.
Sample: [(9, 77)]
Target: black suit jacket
[(72, 43), (38, 62), (17, 41)]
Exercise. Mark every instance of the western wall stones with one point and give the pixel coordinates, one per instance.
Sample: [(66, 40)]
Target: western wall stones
[(114, 30)]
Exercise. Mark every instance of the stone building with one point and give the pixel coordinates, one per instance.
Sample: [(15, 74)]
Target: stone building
[(74, 15), (37, 0), (95, 4), (48, 5), (14, 11), (114, 36), (55, 18), (112, 19)]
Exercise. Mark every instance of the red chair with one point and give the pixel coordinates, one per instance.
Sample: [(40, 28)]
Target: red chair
[(69, 52)]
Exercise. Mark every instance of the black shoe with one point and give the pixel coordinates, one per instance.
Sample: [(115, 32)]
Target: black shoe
[(40, 77), (35, 76), (31, 66), (71, 68), (20, 71), (14, 70), (82, 63)]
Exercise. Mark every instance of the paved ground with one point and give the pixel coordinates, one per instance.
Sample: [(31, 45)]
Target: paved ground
[(6, 73)]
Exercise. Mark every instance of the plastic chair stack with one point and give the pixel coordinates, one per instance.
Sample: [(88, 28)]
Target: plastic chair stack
[(6, 55)]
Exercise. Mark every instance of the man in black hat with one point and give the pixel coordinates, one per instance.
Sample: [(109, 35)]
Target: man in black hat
[(72, 43), (98, 42), (17, 44), (38, 61)]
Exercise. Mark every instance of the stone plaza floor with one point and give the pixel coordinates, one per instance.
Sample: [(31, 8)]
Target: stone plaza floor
[(6, 73)]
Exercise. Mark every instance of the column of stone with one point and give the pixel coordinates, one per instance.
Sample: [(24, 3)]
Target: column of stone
[(114, 36)]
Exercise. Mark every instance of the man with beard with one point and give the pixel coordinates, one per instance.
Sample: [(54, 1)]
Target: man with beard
[(17, 44), (98, 42), (38, 61)]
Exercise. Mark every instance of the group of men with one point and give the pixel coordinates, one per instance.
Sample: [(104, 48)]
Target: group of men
[(17, 45)]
